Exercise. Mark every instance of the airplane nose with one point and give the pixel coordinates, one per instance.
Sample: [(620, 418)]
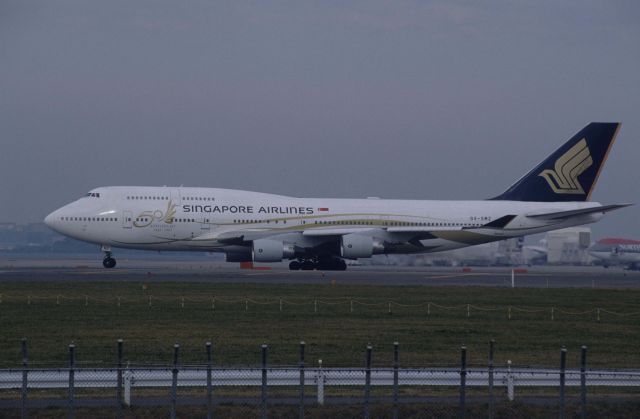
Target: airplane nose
[(51, 220)]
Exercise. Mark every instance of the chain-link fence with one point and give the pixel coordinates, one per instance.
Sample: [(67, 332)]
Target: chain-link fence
[(313, 390)]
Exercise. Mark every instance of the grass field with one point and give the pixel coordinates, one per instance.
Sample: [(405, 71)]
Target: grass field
[(336, 321)]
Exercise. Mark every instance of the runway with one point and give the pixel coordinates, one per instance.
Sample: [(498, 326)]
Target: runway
[(203, 270)]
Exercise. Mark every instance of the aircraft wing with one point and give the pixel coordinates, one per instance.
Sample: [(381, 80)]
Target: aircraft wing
[(316, 232), (421, 229), (244, 236), (407, 229), (235, 237), (555, 215), (238, 236)]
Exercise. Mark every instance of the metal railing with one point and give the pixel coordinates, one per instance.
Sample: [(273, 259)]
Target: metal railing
[(197, 376), (253, 386)]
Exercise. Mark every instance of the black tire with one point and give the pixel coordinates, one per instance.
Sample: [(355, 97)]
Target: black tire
[(109, 263), (294, 266)]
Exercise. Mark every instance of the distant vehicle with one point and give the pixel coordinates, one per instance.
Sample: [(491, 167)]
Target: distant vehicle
[(617, 252), (321, 233)]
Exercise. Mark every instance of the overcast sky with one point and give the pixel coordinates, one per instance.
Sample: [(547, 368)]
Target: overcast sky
[(398, 99)]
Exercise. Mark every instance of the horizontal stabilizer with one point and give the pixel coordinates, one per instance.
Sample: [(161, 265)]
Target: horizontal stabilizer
[(554, 215)]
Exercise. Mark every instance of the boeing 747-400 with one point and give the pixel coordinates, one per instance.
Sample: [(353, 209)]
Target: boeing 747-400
[(320, 233)]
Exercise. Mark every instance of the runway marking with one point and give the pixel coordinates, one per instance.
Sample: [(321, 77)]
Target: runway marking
[(458, 275), (266, 273), (388, 272), (287, 272)]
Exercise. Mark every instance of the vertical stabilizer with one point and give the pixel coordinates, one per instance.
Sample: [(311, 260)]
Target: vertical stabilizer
[(571, 172)]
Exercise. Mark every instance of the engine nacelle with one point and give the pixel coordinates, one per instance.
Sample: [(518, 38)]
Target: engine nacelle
[(265, 250), (355, 246)]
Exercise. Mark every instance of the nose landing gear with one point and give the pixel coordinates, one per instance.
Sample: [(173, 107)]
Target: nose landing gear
[(108, 261)]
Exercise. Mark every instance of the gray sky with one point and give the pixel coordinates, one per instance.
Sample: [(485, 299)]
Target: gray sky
[(399, 99)]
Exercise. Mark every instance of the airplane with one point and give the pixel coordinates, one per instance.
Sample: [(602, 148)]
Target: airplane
[(616, 251), (322, 233)]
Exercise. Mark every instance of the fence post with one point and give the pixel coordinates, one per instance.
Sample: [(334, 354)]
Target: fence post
[(128, 382), (510, 383), (396, 365), (263, 403), (301, 414), (320, 383), (491, 348), (583, 383), (174, 380), (463, 380), (563, 366), (367, 383), (72, 363), (25, 366), (119, 380), (209, 386)]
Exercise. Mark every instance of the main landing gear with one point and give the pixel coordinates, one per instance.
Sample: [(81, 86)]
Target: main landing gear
[(320, 264), (108, 261)]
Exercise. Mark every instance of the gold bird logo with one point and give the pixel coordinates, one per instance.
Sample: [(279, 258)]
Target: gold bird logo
[(564, 179)]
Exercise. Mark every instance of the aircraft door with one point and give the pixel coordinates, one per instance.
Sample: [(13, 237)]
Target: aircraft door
[(175, 196), (127, 219), (174, 204), (206, 223)]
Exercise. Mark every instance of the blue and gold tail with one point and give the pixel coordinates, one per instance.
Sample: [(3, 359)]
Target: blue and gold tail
[(571, 172)]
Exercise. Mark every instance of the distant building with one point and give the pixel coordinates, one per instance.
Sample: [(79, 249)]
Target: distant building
[(7, 226), (500, 253), (27, 237), (569, 246)]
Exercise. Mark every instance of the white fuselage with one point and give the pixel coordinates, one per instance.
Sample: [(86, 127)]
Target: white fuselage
[(180, 218), (621, 254)]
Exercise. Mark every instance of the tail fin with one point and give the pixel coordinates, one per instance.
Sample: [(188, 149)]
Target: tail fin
[(571, 172)]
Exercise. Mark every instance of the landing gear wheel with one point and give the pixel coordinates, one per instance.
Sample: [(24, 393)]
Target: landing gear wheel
[(294, 266), (109, 262), (308, 265)]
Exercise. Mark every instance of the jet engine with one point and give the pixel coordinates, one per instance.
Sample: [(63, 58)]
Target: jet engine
[(355, 246), (265, 250)]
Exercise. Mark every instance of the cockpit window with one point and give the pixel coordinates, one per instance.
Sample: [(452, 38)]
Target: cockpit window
[(93, 194)]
